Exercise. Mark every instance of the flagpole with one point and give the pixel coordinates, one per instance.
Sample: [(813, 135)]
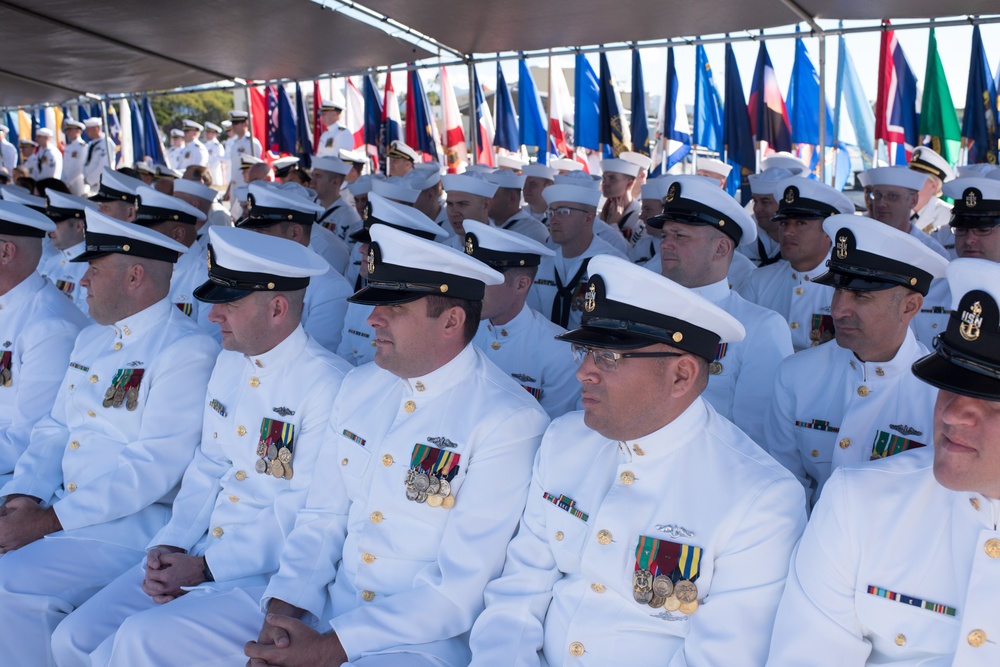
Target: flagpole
[(548, 121), (473, 114), (107, 127), (250, 123), (822, 107)]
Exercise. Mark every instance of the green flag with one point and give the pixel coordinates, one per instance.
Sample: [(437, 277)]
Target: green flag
[(938, 121)]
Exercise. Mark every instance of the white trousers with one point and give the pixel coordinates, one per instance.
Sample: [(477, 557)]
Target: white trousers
[(43, 582)]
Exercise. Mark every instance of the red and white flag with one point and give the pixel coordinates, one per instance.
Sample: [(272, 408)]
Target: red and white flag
[(456, 155), (560, 110), (355, 121)]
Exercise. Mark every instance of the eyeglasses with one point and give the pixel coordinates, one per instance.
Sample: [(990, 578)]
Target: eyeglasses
[(891, 197), (975, 231), (605, 360), (563, 211)]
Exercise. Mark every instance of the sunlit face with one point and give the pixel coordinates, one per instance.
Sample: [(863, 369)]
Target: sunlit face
[(569, 226), (892, 205), (67, 233), (614, 184), (466, 206), (870, 324), (239, 321), (973, 243), (532, 191), (403, 334), (967, 444), (686, 252), (803, 242), (764, 208), (104, 281)]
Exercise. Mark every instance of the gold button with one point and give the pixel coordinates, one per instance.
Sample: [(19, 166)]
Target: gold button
[(495, 345), (71, 387), (934, 326), (794, 325), (975, 503), (627, 477), (977, 638), (91, 413), (376, 517), (374, 343), (368, 558), (900, 640), (74, 445), (814, 453), (241, 475), (993, 548), (367, 596), (799, 291), (879, 371), (805, 278), (93, 379), (576, 649), (604, 536), (387, 460), (118, 345), (597, 588), (254, 382), (215, 434), (343, 462), (844, 443), (862, 391), (241, 431), (217, 531), (409, 406), (234, 499), (71, 487), (559, 536)]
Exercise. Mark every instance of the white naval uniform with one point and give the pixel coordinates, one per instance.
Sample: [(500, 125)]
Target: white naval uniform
[(644, 249), (37, 329), (353, 273), (527, 350), (793, 295), (540, 216), (442, 221), (96, 159), (335, 138), (226, 511), (631, 228), (218, 163), (31, 164), (193, 153), (928, 241), (527, 225), (545, 289), (567, 585), (74, 157), (357, 343), (752, 251), (609, 235), (66, 275), (887, 543), (412, 576), (933, 216), (175, 155), (236, 148), (190, 271), (48, 164), (330, 247), (8, 155), (341, 218), (324, 308), (934, 313), (741, 389), (829, 409), (109, 473)]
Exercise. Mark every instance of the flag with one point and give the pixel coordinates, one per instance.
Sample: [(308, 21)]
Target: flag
[(13, 136), (673, 133), (587, 113), (803, 112), (531, 112), (768, 116), (939, 127), (355, 121), (303, 142), (373, 123), (392, 123), (82, 112), (614, 133), (419, 121), (852, 97), (979, 124), (736, 133), (56, 115), (896, 105), (258, 116), (151, 134), (138, 131), (115, 134), (456, 156), (639, 125), (485, 132), (708, 110), (317, 116), (507, 135), (127, 155), (559, 111), (284, 140)]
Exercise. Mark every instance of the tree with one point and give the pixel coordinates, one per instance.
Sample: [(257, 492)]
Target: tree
[(210, 105)]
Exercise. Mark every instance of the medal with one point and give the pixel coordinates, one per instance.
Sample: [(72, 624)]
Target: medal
[(411, 475), (119, 397), (688, 607), (662, 586), (642, 581), (715, 368), (288, 471), (260, 466), (272, 452), (422, 482), (277, 468), (686, 591), (284, 455), (435, 501), (261, 449), (448, 502), (445, 489), (642, 597), (109, 394), (656, 602), (434, 485), (411, 493), (421, 497), (671, 603)]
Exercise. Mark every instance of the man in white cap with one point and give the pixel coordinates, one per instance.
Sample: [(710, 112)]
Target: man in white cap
[(470, 197), (48, 159), (855, 399), (931, 214), (322, 241), (100, 471), (98, 149), (239, 145), (28, 159), (74, 157), (620, 210), (67, 212), (8, 152), (427, 473), (561, 282), (537, 177), (283, 167), (898, 565), (360, 190), (624, 550), (715, 169), (328, 172), (265, 417), (116, 195), (894, 197), (519, 340), (506, 212), (644, 162), (38, 329), (199, 194), (646, 251), (785, 160), (175, 154), (218, 161), (336, 136), (788, 286), (358, 342), (426, 179), (194, 150), (510, 163), (277, 213), (401, 158), (565, 165), (767, 248), (701, 227), (606, 233)]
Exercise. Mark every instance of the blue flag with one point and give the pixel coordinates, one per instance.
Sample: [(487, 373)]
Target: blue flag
[(151, 134), (13, 136), (507, 135), (768, 115), (639, 124), (736, 131), (82, 112), (286, 137), (707, 106), (138, 137), (851, 98), (530, 111), (676, 132), (587, 114), (803, 101), (614, 137), (303, 142), (979, 128), (422, 118), (373, 112)]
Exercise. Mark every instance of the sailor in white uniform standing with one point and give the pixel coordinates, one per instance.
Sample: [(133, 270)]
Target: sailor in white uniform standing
[(336, 137), (74, 157)]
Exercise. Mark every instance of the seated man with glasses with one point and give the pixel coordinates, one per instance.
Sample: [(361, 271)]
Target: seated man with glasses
[(653, 525), (894, 196)]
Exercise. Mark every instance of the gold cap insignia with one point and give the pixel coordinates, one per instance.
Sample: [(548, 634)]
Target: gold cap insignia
[(590, 300), (371, 261), (790, 193), (469, 245), (971, 321), (672, 192), (841, 247), (367, 213), (971, 198)]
